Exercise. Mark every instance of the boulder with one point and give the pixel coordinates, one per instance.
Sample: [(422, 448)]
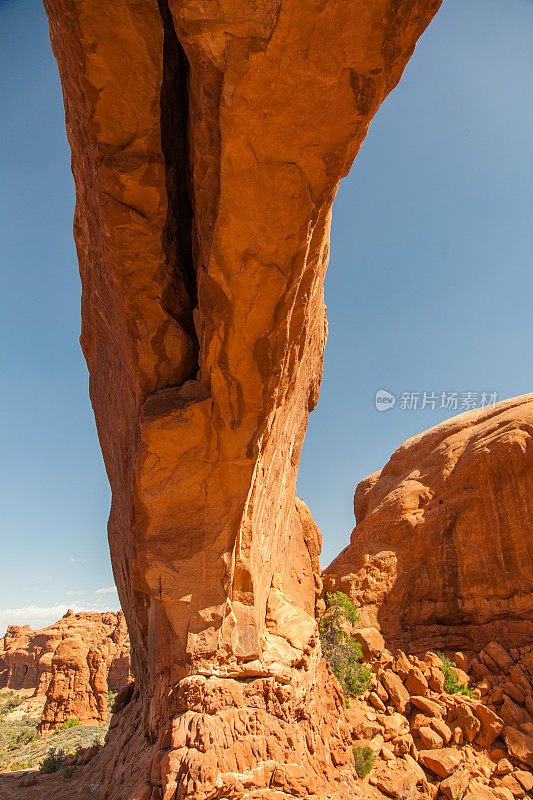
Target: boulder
[(513, 714), (415, 682), (371, 641), (499, 656), (467, 721), (430, 739), (441, 762), (429, 707), (456, 784), (442, 729), (519, 745), (524, 778), (491, 725), (395, 689)]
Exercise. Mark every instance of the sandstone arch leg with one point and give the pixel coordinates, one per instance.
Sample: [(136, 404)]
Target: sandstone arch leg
[(208, 143)]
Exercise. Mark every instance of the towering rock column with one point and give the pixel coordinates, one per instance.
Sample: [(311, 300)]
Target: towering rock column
[(208, 141)]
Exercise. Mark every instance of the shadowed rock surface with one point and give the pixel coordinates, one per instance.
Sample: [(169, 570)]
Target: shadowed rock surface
[(442, 553), (208, 142)]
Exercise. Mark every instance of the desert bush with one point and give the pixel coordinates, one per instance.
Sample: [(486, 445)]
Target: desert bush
[(451, 682), (26, 736), (18, 765), (342, 651), (52, 761), (68, 773), (364, 759), (69, 723), (11, 704)]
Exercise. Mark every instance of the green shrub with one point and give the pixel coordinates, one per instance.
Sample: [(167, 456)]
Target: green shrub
[(52, 761), (26, 736), (69, 723), (13, 702), (18, 765), (451, 682), (364, 759), (67, 773), (342, 651)]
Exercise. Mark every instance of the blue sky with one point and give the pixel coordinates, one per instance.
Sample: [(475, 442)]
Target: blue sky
[(429, 290)]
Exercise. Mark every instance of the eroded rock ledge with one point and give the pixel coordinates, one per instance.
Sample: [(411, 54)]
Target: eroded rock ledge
[(208, 141)]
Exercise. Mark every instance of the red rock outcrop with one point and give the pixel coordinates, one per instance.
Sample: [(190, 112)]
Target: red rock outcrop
[(73, 662), (26, 654), (208, 142), (442, 553), (78, 685)]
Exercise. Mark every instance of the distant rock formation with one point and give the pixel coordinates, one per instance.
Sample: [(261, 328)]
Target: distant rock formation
[(73, 662), (208, 142), (442, 553)]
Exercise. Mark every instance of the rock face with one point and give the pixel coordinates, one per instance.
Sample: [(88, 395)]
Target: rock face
[(442, 553), (73, 662), (208, 141)]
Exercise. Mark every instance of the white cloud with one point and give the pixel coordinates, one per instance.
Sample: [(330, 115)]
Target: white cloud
[(106, 590), (35, 616), (41, 616), (73, 592)]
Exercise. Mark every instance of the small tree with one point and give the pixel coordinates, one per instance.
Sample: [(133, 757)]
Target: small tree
[(52, 761), (341, 650)]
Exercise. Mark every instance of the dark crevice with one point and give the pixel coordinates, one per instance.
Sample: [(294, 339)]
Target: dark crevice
[(180, 295)]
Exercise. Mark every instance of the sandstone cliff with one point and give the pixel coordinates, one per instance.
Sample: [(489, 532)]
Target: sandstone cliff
[(208, 141), (71, 664), (442, 553)]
